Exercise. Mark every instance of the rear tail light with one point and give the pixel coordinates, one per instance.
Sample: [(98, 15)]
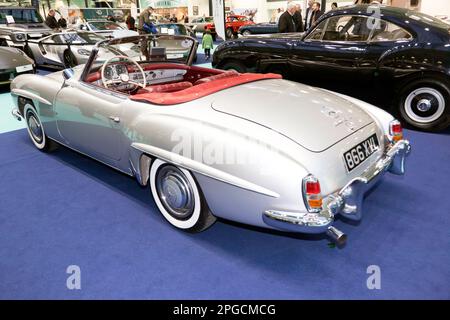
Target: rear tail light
[(395, 130), (312, 194)]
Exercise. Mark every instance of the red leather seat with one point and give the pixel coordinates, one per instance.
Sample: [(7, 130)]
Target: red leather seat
[(171, 87), (226, 74)]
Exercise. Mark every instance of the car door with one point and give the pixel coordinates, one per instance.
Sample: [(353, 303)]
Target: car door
[(334, 51), (390, 50), (89, 119)]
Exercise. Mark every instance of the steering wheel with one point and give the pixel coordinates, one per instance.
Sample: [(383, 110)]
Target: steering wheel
[(123, 77)]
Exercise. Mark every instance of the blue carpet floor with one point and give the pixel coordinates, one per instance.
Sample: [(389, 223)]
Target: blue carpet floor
[(64, 209)]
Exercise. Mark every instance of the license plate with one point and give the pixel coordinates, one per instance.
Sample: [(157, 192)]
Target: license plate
[(359, 153), (24, 68), (174, 55)]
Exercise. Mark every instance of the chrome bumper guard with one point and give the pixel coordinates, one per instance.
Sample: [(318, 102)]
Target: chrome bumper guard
[(16, 114), (346, 202)]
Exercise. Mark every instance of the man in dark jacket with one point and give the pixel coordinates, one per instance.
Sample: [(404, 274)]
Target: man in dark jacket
[(50, 21), (287, 21), (313, 15), (298, 18)]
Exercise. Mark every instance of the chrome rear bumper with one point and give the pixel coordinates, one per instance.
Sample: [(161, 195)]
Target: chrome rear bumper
[(346, 202)]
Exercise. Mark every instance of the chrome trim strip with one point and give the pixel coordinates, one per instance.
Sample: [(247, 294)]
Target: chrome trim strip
[(30, 95), (203, 169)]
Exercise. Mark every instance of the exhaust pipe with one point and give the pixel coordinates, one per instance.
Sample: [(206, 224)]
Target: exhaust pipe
[(16, 114), (337, 236)]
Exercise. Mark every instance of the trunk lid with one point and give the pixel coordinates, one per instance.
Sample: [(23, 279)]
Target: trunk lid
[(313, 118)]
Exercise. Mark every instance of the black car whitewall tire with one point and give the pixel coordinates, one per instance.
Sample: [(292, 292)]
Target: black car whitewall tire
[(178, 197), (425, 104), (36, 129), (229, 33)]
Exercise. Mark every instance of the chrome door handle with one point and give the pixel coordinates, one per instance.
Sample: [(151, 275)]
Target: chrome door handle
[(115, 119)]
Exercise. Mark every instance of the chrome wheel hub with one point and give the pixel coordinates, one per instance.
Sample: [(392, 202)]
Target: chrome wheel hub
[(35, 127), (425, 105), (175, 192)]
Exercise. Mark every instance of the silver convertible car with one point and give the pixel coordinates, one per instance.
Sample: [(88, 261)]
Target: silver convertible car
[(251, 148)]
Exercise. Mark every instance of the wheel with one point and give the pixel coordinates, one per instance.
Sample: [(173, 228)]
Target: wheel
[(277, 69), (234, 65), (229, 33), (69, 59), (36, 129), (178, 197), (425, 104), (246, 33)]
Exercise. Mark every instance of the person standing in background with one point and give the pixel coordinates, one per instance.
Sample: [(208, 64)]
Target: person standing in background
[(145, 18), (315, 15), (298, 18), (334, 6), (130, 22), (287, 22), (308, 15), (207, 44), (50, 21)]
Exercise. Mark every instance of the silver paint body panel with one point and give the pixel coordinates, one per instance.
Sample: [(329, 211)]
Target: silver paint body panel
[(277, 131)]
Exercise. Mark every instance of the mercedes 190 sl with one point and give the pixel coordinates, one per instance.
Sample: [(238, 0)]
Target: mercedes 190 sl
[(287, 156)]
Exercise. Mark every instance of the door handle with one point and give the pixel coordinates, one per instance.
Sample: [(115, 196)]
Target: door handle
[(115, 119)]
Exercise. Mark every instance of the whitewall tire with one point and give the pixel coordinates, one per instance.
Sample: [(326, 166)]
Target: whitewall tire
[(178, 197), (424, 104), (35, 129)]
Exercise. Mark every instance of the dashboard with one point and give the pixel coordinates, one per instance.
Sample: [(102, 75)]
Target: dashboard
[(115, 71)]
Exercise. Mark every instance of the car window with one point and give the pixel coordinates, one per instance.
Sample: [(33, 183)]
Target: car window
[(20, 15), (387, 31), (197, 20), (316, 34), (347, 28)]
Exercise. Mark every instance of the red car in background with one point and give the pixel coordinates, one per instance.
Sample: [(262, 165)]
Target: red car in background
[(232, 25)]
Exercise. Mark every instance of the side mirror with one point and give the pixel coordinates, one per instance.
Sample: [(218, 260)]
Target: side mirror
[(68, 73)]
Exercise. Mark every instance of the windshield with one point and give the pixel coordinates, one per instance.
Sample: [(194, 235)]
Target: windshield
[(80, 38), (172, 29), (104, 25), (149, 48), (19, 16)]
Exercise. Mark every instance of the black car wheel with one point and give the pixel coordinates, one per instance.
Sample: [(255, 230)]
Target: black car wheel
[(234, 65), (425, 104), (69, 60), (229, 33)]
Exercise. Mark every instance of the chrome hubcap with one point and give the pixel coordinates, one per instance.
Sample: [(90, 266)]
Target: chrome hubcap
[(425, 105), (35, 127), (175, 192)]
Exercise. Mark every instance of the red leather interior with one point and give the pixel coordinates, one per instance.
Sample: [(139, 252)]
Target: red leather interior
[(172, 87), (201, 90), (226, 74)]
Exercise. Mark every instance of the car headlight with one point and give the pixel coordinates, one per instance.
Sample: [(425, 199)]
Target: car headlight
[(84, 52), (20, 36)]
